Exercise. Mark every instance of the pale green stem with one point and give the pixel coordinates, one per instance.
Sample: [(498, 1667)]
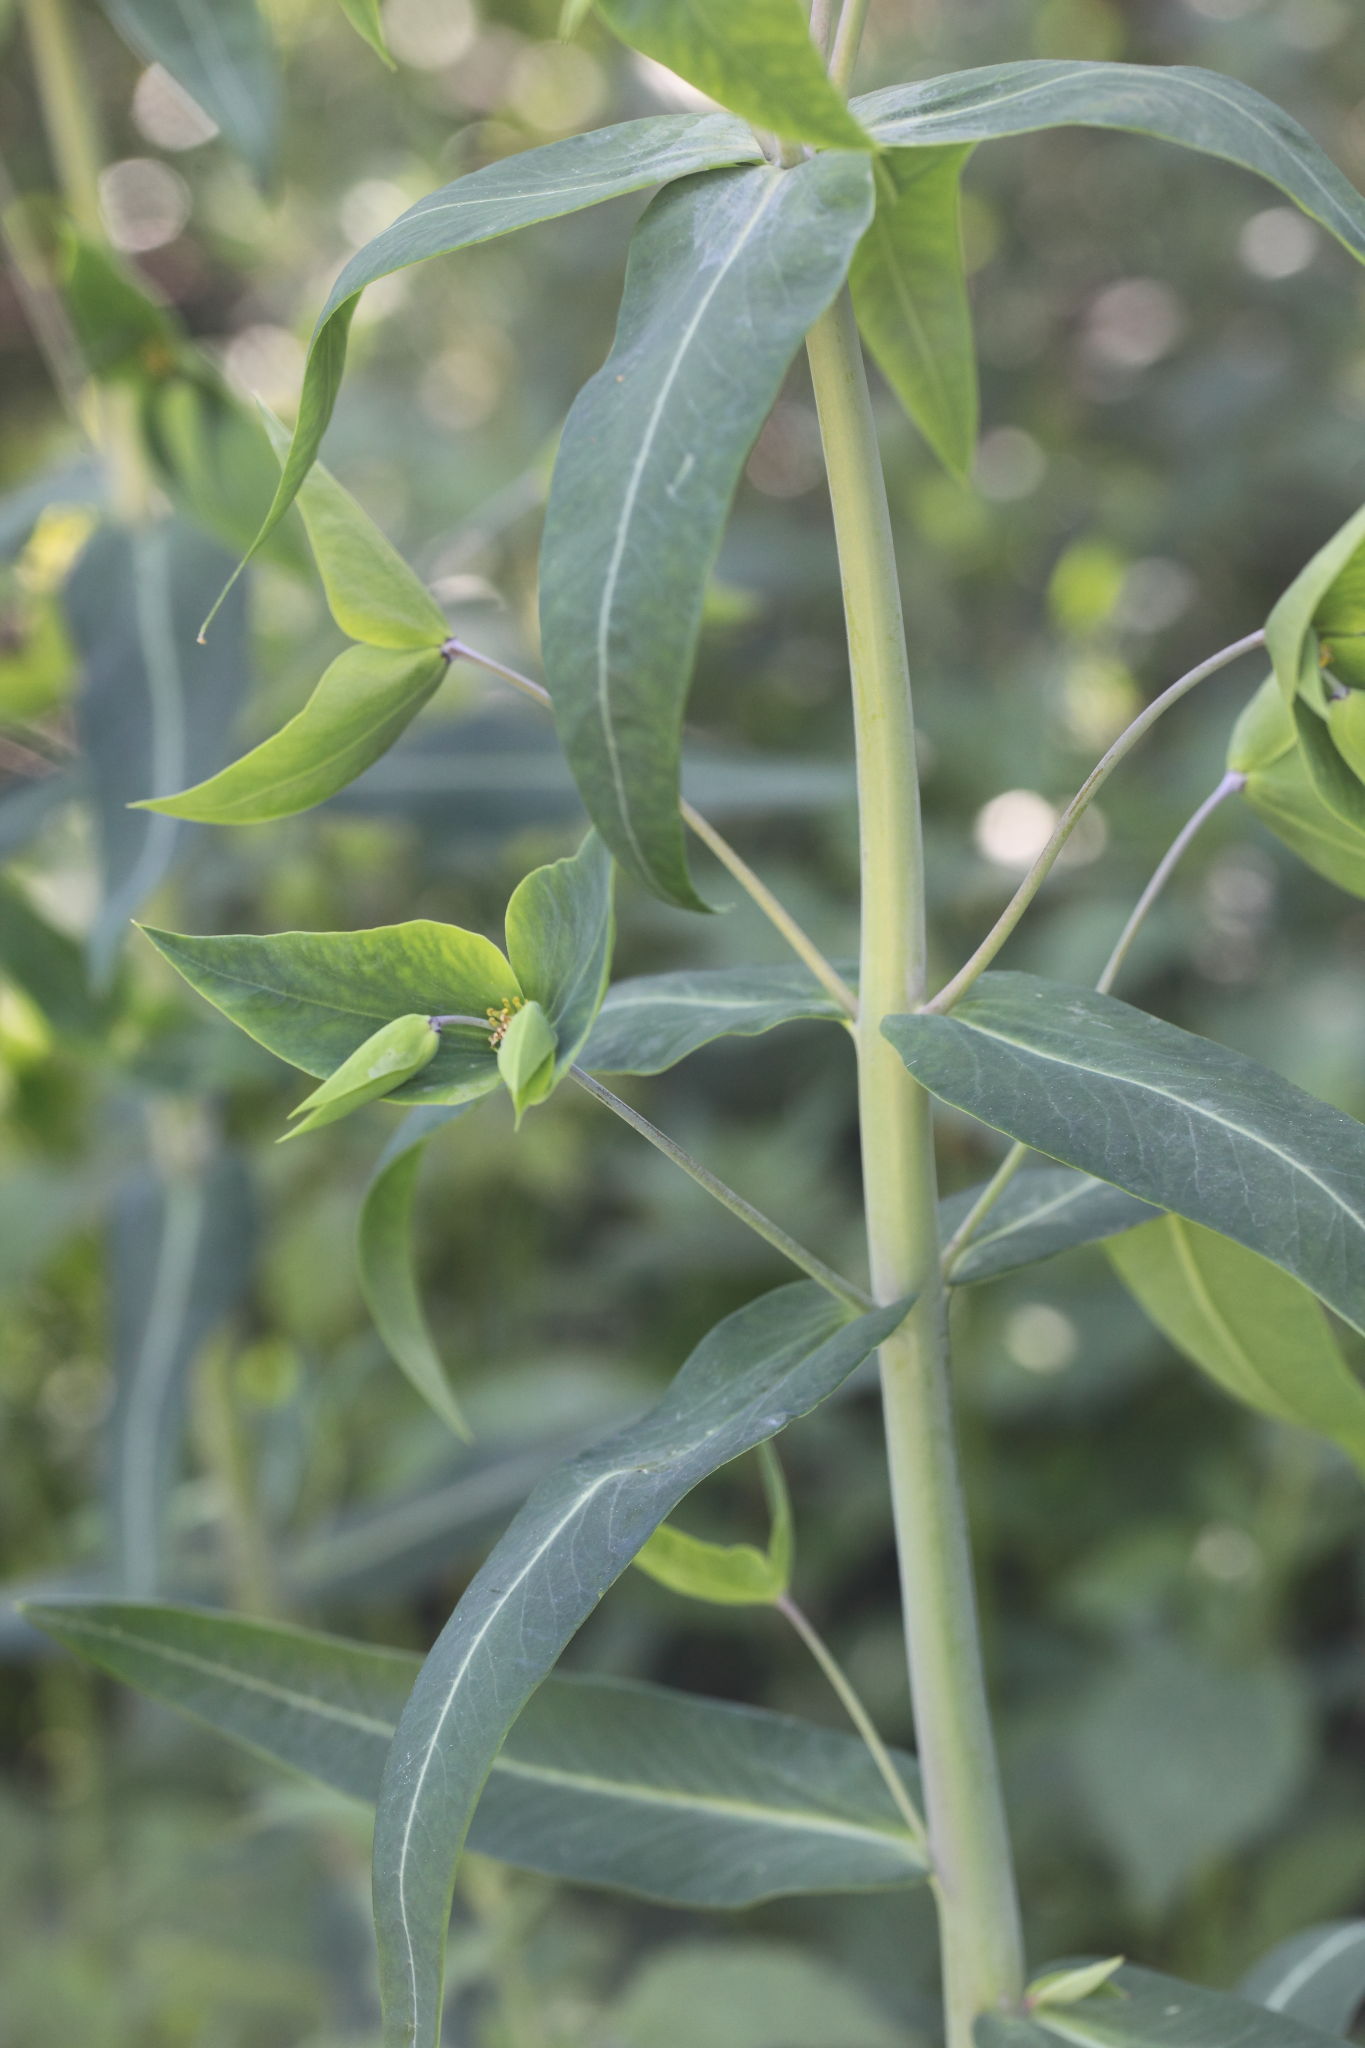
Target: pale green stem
[(1010, 916), (822, 23), (776, 913), (849, 1699), (974, 1877), (847, 37), (763, 1226), (1231, 783)]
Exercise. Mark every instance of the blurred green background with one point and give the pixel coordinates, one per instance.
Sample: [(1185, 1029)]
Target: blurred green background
[(1174, 418)]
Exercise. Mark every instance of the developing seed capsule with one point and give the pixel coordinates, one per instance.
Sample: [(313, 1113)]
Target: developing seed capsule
[(526, 1057), (393, 1055)]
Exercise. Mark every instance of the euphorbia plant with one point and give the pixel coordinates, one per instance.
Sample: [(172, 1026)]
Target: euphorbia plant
[(1235, 1203)]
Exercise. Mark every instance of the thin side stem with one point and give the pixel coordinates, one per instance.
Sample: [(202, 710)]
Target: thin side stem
[(974, 1877), (1023, 896), (777, 914), (763, 1226), (849, 1699), (1231, 783), (982, 1206), (847, 37)]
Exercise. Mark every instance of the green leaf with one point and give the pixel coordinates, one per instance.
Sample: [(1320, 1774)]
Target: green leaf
[(752, 1994), (363, 16), (1255, 1331), (1043, 1210), (910, 294), (1326, 596), (1151, 2012), (1188, 1125), (572, 15), (371, 592), (560, 929), (1337, 788), (1174, 102), (1281, 791), (757, 59), (384, 1263), (51, 968), (726, 274), (314, 998), (213, 458), (1070, 1984), (686, 1800), (366, 698), (727, 1574), (1317, 1977), (516, 192), (650, 1023), (393, 1054), (526, 1058), (1346, 720), (756, 1372), (120, 329), (220, 51)]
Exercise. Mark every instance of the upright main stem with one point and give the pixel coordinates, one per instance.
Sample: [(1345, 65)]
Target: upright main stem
[(974, 1878)]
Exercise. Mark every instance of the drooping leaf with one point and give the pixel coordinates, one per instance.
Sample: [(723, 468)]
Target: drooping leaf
[(1044, 1210), (181, 1253), (910, 294), (727, 1574), (754, 1373), (366, 698), (371, 592), (155, 710), (1247, 1324), (1317, 1977), (1178, 103), (757, 59), (560, 929), (1176, 1120), (651, 1022), (1150, 2011), (220, 52), (516, 192), (385, 1266), (390, 1056), (526, 1058), (314, 998), (750, 1994), (363, 16), (1280, 790), (1326, 597), (686, 1800), (726, 275)]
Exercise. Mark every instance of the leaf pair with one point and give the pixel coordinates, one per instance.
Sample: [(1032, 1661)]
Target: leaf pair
[(1301, 781)]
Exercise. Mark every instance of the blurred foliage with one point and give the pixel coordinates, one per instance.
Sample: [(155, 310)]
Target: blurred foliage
[(1174, 414)]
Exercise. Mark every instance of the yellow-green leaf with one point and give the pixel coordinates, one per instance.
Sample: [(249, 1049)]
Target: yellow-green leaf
[(394, 1053)]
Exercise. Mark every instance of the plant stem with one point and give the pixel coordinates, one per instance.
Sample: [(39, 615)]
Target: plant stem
[(1165, 868), (772, 1233), (1009, 917), (847, 37), (777, 914), (842, 1685), (974, 1877)]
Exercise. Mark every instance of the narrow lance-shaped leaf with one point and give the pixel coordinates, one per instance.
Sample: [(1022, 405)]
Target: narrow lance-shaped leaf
[(754, 1373), (366, 698), (726, 275), (539, 184), (689, 1801), (363, 16), (1139, 2009), (651, 1022), (1255, 1331), (1317, 1976), (757, 59), (1178, 103), (1188, 1125), (560, 930), (220, 51), (385, 1265), (910, 294), (1044, 1210), (313, 998), (389, 1057)]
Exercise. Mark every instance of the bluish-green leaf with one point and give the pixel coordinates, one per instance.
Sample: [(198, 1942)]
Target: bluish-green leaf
[(385, 1266), (366, 698), (560, 929), (653, 1021), (1150, 2011), (726, 275), (1176, 1120), (686, 1800), (1175, 103), (315, 997), (1253, 1329), (51, 968), (1044, 1210), (747, 1994), (1317, 1977), (910, 294), (516, 192), (757, 59), (754, 1373), (220, 51)]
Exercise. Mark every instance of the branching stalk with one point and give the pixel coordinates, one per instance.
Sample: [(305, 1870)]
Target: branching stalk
[(763, 1226), (1231, 783), (954, 990)]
